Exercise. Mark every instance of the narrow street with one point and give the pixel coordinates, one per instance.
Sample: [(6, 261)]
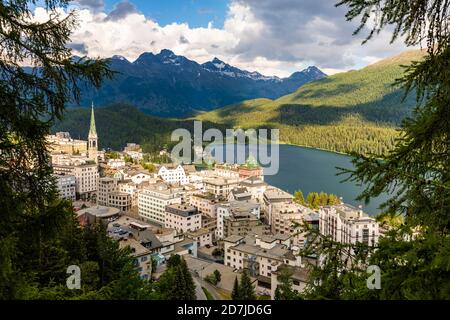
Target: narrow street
[(202, 283), (198, 289)]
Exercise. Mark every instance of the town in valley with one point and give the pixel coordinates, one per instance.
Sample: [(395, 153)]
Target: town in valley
[(222, 219)]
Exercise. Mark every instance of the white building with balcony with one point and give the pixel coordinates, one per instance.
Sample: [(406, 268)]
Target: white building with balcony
[(347, 224)]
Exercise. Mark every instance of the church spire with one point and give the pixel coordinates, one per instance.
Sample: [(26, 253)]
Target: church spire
[(92, 129)]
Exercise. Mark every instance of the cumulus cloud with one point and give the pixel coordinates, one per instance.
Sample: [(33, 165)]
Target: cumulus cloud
[(312, 31), (274, 37)]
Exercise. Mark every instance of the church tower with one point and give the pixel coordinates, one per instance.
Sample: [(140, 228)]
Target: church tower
[(92, 138)]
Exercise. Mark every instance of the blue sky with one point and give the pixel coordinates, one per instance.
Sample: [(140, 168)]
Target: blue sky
[(273, 37), (197, 13)]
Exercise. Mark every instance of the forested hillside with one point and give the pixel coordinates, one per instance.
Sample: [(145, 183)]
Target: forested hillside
[(351, 111), (120, 123)]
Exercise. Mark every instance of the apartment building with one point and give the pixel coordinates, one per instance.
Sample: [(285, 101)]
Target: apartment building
[(287, 218), (131, 188), (66, 185), (347, 224), (142, 257), (260, 256), (239, 194), (271, 196), (255, 186), (220, 186), (119, 200), (173, 174), (153, 199), (210, 224), (206, 203), (299, 278), (106, 185), (202, 236), (86, 177), (238, 217), (182, 218), (226, 171)]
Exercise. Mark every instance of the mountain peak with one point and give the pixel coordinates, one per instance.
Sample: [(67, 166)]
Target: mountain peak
[(145, 57), (216, 60), (310, 72), (119, 57), (166, 53)]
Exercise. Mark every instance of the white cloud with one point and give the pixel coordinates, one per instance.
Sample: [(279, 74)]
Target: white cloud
[(274, 37)]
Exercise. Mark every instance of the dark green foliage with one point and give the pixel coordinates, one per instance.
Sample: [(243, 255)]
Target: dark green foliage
[(217, 252), (40, 236), (413, 257), (235, 292), (284, 289), (246, 289), (214, 278), (355, 111), (217, 275), (121, 123), (176, 282)]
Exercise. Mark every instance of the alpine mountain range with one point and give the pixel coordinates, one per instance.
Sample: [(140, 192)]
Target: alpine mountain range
[(170, 85)]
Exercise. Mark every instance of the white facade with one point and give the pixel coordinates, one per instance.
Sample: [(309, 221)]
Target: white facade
[(140, 177), (261, 257), (116, 163), (347, 224), (255, 186), (66, 185), (175, 175), (130, 188), (226, 171), (272, 196), (220, 186), (222, 212), (152, 202)]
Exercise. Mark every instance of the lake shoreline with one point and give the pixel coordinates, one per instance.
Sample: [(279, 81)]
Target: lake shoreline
[(315, 148)]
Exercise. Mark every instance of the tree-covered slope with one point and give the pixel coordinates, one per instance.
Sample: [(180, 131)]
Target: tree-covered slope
[(351, 111), (120, 123)]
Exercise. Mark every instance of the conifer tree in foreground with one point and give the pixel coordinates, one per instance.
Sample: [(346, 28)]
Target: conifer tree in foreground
[(176, 283), (284, 290), (246, 289), (40, 236), (235, 293), (413, 256)]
